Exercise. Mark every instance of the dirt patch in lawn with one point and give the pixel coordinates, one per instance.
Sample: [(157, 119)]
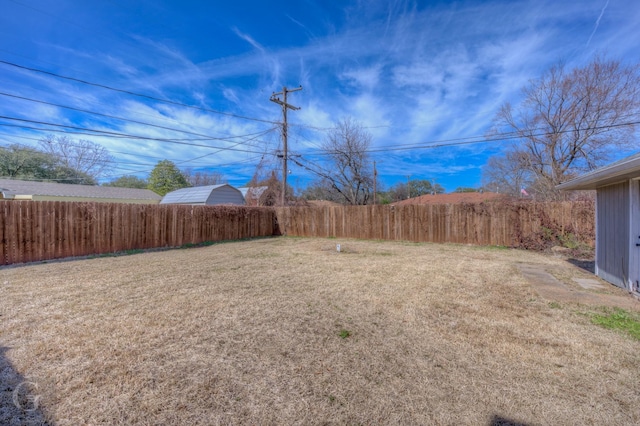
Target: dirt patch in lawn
[(288, 330)]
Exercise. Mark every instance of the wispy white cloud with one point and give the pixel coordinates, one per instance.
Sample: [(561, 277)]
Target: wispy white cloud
[(309, 33), (314, 116), (370, 111), (412, 72), (248, 39), (367, 78), (120, 67), (595, 27), (230, 94)]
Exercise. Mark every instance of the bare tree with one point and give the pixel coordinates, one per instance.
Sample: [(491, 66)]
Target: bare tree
[(570, 121), (413, 188), (84, 156), (351, 176), (265, 188), (271, 195), (321, 190), (203, 178), (507, 174)]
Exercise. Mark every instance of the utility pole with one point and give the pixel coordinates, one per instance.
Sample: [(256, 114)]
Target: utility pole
[(285, 106), (408, 187)]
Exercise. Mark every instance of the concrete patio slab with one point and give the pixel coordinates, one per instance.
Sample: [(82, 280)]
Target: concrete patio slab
[(551, 288)]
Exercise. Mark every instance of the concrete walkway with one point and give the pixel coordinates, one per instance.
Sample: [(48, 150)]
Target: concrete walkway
[(576, 288)]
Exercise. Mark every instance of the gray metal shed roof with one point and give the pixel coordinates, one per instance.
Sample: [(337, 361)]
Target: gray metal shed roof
[(194, 195), (620, 171), (12, 187)]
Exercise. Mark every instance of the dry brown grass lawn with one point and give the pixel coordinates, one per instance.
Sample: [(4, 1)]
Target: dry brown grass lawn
[(288, 331)]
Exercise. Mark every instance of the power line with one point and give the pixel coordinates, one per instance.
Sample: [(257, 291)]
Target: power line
[(499, 137), (260, 154), (323, 129), (216, 152), (317, 170), (146, 170), (118, 134), (110, 150), (35, 150), (320, 171), (424, 145), (125, 119), (141, 113), (31, 179), (140, 95)]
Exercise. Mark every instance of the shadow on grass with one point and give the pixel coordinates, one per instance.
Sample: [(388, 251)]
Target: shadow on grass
[(129, 252), (19, 399), (503, 421), (587, 265)]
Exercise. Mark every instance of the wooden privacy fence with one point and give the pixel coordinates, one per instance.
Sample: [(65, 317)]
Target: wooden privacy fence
[(41, 230), (513, 224)]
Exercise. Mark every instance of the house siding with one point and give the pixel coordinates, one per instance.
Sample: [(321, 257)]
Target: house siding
[(612, 228), (87, 199), (634, 235)]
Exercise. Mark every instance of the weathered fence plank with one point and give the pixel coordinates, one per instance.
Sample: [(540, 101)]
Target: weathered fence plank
[(513, 224), (31, 231), (42, 230)]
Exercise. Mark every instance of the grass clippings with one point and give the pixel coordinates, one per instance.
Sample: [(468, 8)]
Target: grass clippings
[(251, 333)]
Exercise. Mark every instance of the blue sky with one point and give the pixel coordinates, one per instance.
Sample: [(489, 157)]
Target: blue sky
[(416, 74)]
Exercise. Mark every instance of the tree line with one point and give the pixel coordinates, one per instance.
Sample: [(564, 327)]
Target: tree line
[(569, 121), (166, 177), (56, 159), (62, 159)]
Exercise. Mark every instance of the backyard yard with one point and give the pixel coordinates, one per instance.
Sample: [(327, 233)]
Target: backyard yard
[(291, 331)]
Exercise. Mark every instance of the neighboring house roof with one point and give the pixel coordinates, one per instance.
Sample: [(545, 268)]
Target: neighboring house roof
[(253, 194), (620, 171), (253, 191), (453, 198), (11, 188), (204, 195), (322, 203)]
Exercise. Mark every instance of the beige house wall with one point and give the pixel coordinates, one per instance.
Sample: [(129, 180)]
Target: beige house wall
[(84, 199)]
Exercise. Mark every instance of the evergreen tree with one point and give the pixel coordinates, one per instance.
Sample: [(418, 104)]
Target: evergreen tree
[(166, 177), (128, 181)]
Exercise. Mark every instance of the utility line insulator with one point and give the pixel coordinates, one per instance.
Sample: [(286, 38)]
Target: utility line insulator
[(285, 106)]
